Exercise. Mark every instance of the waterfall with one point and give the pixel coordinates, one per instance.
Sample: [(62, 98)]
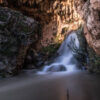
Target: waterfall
[(65, 60)]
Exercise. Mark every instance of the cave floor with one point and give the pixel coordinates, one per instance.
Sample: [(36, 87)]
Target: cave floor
[(78, 85)]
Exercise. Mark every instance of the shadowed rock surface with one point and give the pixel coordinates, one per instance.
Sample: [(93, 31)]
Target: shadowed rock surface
[(17, 33)]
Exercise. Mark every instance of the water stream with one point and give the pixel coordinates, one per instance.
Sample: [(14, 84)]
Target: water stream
[(66, 83), (65, 60)]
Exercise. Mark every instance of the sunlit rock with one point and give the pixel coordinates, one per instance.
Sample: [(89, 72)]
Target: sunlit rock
[(54, 16), (89, 10)]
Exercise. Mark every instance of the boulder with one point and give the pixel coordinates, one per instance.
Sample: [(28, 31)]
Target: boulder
[(57, 68)]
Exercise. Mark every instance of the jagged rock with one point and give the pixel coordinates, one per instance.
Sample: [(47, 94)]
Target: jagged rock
[(54, 15), (58, 17), (90, 12), (17, 34), (33, 59)]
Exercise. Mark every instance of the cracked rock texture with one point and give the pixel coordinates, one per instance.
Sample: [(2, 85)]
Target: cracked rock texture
[(57, 17), (17, 33), (90, 12)]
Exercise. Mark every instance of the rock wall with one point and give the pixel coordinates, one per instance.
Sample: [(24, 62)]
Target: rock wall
[(90, 12), (57, 17), (17, 34)]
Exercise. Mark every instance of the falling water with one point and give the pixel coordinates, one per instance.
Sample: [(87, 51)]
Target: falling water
[(77, 85), (65, 61)]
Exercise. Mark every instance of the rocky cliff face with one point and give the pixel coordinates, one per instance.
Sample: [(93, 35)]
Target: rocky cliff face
[(90, 12), (17, 34), (56, 14), (57, 17)]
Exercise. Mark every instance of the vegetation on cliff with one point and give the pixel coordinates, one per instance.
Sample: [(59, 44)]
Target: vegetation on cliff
[(93, 64)]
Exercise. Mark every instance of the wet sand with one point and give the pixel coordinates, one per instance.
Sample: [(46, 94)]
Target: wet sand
[(78, 85)]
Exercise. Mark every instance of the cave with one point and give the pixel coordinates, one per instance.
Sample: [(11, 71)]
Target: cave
[(49, 49)]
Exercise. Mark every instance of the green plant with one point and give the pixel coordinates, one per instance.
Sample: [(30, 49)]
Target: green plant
[(50, 49), (94, 61)]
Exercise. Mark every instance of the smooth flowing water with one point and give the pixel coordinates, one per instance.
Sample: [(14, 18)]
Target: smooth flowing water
[(65, 61), (70, 84), (77, 85)]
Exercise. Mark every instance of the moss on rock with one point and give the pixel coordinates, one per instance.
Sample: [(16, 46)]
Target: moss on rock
[(93, 64), (50, 49)]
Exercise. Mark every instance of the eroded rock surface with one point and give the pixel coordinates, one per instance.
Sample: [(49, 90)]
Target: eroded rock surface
[(17, 34), (57, 17), (90, 12)]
